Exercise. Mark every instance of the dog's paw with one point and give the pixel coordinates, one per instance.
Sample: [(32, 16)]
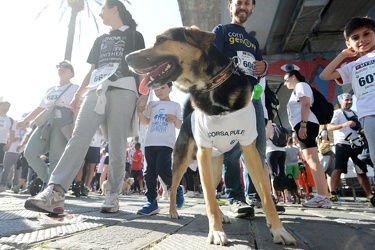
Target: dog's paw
[(174, 214), (281, 236), (217, 238), (225, 219)]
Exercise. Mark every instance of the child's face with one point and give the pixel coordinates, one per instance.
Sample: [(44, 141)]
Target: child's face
[(361, 40), (163, 92)]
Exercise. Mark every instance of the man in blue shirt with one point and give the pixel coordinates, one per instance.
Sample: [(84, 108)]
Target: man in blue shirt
[(234, 41)]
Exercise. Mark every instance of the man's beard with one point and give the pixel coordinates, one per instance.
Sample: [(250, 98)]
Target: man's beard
[(241, 19)]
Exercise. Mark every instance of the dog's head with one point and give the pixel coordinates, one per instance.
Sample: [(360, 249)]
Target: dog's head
[(130, 181), (176, 56)]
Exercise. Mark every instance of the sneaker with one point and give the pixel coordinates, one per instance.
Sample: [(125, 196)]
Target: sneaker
[(16, 189), (111, 203), (370, 201), (280, 209), (200, 195), (318, 201), (2, 188), (165, 196), (220, 202), (25, 191), (85, 191), (333, 197), (255, 202), (150, 208), (47, 201), (240, 209), (190, 194), (160, 192), (180, 197)]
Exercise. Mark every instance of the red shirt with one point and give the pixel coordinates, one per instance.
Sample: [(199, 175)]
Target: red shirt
[(137, 160)]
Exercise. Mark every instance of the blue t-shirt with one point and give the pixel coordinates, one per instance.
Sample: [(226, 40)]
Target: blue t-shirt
[(233, 38)]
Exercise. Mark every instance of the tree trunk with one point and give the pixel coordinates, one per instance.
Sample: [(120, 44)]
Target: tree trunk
[(71, 33)]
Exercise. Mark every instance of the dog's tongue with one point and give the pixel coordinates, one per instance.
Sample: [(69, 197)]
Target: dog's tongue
[(143, 88), (156, 73)]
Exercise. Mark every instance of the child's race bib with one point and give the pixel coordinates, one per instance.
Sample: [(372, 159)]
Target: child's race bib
[(363, 79)]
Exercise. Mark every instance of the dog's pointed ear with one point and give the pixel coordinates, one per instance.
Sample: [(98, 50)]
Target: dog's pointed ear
[(198, 38)]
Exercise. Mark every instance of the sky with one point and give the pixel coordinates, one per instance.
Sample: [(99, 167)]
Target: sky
[(32, 48)]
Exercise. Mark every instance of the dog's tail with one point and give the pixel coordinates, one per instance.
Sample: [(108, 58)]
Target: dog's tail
[(188, 109)]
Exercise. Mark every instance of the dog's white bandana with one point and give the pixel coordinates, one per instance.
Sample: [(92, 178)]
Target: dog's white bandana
[(222, 132)]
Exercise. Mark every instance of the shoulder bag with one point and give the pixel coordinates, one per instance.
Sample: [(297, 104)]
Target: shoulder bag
[(43, 117)]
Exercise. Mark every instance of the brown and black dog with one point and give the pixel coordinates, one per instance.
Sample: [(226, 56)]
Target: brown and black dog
[(217, 89)]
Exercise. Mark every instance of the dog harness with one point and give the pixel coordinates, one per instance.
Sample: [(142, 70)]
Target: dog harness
[(222, 132)]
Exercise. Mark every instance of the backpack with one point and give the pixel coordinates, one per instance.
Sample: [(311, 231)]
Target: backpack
[(353, 118), (272, 103), (322, 109), (279, 136)]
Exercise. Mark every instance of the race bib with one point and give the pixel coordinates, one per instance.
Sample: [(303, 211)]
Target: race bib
[(363, 79), (246, 62), (101, 74)]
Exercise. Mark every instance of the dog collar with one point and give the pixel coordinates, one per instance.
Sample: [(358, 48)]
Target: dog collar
[(223, 75)]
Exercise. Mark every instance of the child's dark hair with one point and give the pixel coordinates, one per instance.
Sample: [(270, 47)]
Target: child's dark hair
[(137, 146), (297, 74), (358, 22)]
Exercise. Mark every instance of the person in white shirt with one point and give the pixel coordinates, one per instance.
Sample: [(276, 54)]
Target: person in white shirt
[(50, 136), (7, 134), (161, 117), (346, 127), (359, 35), (10, 160), (306, 126), (109, 93)]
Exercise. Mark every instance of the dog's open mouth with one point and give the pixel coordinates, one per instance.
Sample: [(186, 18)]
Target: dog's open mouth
[(155, 76)]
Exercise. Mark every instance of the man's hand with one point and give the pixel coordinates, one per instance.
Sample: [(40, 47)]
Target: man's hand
[(259, 67)]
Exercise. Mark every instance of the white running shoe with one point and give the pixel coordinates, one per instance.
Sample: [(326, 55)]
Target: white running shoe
[(318, 201), (111, 203), (165, 196), (47, 201), (190, 194)]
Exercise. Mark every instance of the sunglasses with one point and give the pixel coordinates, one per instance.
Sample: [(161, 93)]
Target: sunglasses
[(64, 66), (287, 78)]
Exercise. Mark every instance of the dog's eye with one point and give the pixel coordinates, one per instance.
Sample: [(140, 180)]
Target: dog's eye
[(160, 40)]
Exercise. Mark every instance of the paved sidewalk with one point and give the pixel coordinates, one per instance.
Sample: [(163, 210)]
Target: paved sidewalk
[(348, 225)]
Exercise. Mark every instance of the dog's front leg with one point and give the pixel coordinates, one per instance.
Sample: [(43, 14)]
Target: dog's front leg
[(182, 155), (217, 166), (216, 233), (255, 169)]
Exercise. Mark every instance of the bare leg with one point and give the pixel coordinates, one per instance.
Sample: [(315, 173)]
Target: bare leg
[(365, 184), (311, 156), (90, 174)]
